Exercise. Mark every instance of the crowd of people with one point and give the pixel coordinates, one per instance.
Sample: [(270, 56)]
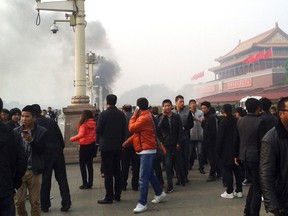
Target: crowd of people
[(246, 145)]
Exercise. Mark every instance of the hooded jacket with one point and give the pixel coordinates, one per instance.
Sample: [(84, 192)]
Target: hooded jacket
[(86, 133)]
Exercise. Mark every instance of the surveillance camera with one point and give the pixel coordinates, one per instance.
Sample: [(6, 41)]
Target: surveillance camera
[(54, 29)]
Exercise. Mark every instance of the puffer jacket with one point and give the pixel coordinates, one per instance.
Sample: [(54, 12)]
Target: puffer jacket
[(86, 133), (274, 168), (141, 126)]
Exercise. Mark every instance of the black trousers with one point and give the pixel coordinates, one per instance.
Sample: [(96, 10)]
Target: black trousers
[(112, 172), (215, 166), (228, 171), (158, 170), (253, 200), (128, 156), (55, 162), (86, 163)]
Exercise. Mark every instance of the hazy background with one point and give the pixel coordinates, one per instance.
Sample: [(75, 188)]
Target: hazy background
[(151, 48)]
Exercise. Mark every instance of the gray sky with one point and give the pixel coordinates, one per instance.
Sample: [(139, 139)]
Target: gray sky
[(153, 42)]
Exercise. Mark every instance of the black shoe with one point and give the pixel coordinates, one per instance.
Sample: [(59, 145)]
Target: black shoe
[(44, 209), (65, 208), (169, 190), (210, 179), (104, 201), (117, 199), (201, 171), (82, 187), (89, 186)]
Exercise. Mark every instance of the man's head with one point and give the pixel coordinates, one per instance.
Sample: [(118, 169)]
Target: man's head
[(127, 108), (15, 114), (179, 101), (282, 107), (240, 112), (205, 106), (5, 115), (142, 103), (28, 116), (265, 104), (167, 106), (273, 110), (252, 105), (227, 109), (111, 100), (37, 109), (192, 104)]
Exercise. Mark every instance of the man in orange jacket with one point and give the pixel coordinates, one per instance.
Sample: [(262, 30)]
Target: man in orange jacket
[(144, 141)]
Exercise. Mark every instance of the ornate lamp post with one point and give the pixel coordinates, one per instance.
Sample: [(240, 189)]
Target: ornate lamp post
[(80, 100)]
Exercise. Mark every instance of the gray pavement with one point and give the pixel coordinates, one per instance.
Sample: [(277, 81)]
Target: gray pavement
[(198, 197)]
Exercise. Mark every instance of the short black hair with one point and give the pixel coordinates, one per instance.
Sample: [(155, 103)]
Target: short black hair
[(111, 99), (142, 103), (127, 108), (155, 110), (206, 103), (252, 104), (265, 104), (178, 97), (30, 109), (242, 112), (227, 108), (37, 109), (192, 100), (281, 103), (166, 101), (1, 104)]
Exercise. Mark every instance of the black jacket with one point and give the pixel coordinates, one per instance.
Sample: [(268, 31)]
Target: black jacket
[(13, 163), (209, 126), (269, 121), (248, 135), (224, 141), (54, 138), (38, 145), (111, 129), (170, 136), (274, 168)]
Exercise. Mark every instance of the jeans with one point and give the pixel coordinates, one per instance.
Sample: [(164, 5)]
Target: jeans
[(147, 175), (112, 171), (253, 200), (7, 207), (196, 148)]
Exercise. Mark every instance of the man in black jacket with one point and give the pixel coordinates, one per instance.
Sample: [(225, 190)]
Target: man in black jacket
[(54, 160), (33, 139), (274, 164), (129, 156), (111, 133), (209, 126), (170, 134), (247, 145), (269, 120), (13, 165)]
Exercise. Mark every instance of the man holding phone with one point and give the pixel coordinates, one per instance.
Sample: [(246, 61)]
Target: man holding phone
[(33, 139)]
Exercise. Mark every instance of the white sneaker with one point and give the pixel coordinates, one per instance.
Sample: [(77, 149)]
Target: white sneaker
[(239, 194), (140, 208), (227, 196), (158, 199)]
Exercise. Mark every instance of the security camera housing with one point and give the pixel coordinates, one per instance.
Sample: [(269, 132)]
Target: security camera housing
[(54, 29)]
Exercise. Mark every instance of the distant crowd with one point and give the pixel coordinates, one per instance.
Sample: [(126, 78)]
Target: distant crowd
[(240, 146)]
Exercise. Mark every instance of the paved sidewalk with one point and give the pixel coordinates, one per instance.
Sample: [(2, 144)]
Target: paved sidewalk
[(198, 197)]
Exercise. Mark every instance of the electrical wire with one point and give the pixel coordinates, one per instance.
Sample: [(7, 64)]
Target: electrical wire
[(38, 19)]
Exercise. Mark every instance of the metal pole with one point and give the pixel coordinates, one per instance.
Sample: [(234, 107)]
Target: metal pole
[(80, 75)]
